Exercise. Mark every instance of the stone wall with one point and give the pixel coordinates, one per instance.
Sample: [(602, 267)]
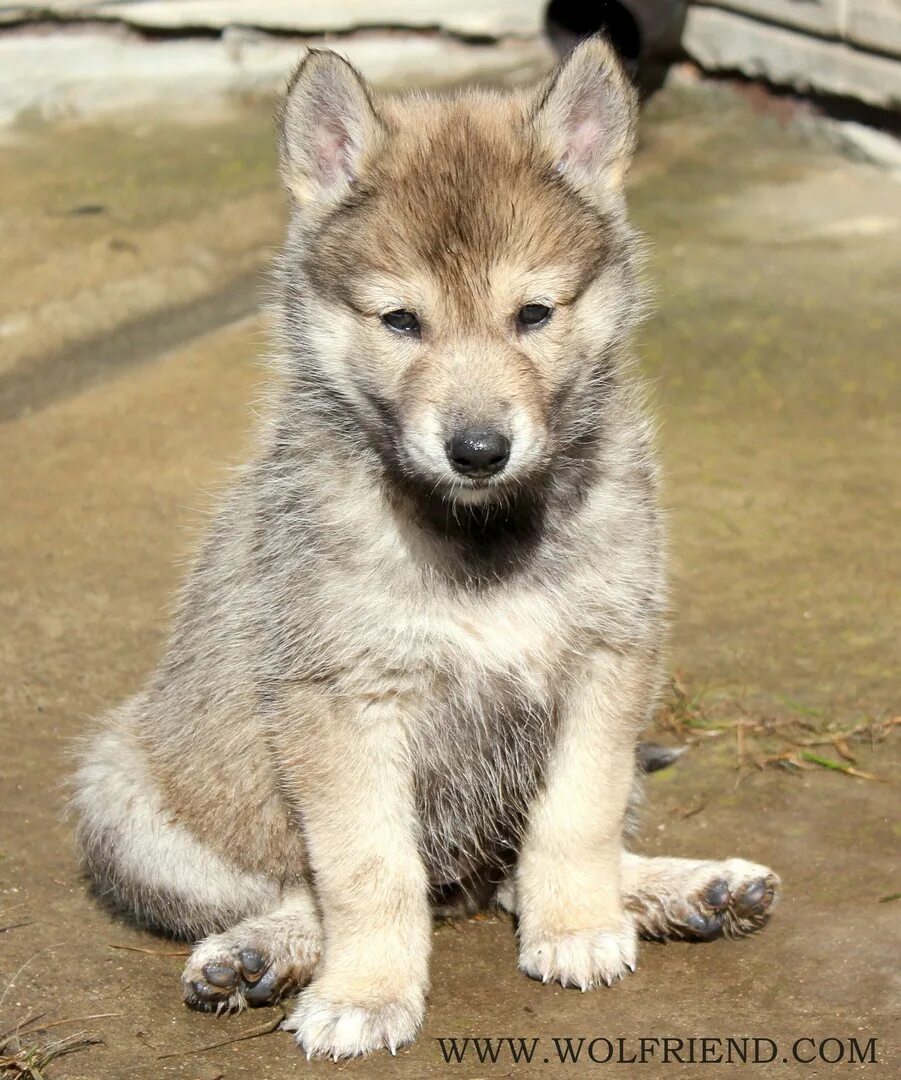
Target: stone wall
[(849, 48)]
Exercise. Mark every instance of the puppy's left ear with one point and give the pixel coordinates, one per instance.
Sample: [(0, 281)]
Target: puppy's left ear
[(586, 115)]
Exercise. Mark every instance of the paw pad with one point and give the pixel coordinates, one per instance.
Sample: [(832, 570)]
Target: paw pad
[(236, 979), (730, 906), (717, 895), (227, 984)]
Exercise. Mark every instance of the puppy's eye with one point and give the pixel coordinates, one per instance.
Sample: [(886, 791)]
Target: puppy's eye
[(531, 315), (404, 322)]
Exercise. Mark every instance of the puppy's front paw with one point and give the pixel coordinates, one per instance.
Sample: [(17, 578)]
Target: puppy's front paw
[(584, 958), (327, 1025)]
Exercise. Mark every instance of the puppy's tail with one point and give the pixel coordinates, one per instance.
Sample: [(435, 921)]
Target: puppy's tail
[(652, 756)]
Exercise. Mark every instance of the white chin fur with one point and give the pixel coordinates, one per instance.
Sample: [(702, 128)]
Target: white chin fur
[(474, 496)]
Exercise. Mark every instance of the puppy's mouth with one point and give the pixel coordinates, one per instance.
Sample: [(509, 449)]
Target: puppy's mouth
[(438, 482), (476, 490)]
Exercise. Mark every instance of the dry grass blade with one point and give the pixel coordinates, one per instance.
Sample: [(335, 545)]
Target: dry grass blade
[(791, 743), (841, 744), (58, 1023), (150, 952), (18, 1026), (740, 742), (25, 1052), (682, 711), (26, 1061), (872, 730), (256, 1033), (838, 766), (798, 706)]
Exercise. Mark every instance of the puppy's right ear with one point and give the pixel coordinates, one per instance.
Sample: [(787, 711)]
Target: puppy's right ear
[(586, 115), (326, 126)]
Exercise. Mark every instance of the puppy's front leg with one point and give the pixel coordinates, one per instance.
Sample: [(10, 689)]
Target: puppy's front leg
[(572, 925), (350, 776)]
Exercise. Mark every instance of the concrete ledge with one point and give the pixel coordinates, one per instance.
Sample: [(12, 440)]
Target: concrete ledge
[(90, 70), (875, 24), (725, 41), (823, 17), (467, 18)]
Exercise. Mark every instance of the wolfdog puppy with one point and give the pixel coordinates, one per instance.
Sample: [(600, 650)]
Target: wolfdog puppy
[(413, 657)]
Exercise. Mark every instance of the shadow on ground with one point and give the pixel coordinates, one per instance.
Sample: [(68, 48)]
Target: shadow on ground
[(774, 363)]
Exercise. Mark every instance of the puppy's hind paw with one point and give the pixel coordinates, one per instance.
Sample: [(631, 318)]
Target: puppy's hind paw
[(728, 899), (239, 969)]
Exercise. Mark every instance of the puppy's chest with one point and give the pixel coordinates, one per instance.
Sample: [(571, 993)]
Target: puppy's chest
[(522, 635), (486, 728)]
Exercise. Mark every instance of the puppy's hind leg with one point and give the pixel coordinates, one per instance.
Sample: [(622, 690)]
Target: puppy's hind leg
[(697, 900), (141, 858), (148, 864), (260, 960)]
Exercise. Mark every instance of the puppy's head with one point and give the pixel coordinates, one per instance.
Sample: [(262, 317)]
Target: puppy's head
[(459, 271)]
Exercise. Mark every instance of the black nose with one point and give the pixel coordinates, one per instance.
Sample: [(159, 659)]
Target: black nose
[(479, 451)]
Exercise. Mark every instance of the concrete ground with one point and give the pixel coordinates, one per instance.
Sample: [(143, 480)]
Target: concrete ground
[(130, 348)]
